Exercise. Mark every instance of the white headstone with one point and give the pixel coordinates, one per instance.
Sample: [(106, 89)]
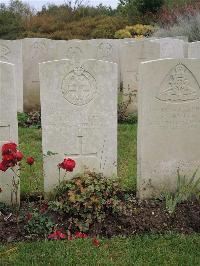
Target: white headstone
[(11, 52), (79, 116), (8, 124), (194, 50), (35, 51), (168, 124), (75, 50), (171, 48), (107, 50), (133, 53)]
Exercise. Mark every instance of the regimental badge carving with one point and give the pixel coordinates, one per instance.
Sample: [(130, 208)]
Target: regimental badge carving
[(167, 50), (4, 52), (180, 85), (74, 53), (79, 87), (39, 48), (41, 45), (104, 51)]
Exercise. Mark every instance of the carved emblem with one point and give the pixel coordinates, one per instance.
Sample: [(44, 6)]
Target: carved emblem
[(79, 87), (74, 53), (39, 48), (104, 51), (180, 85), (4, 51), (40, 45), (167, 49)]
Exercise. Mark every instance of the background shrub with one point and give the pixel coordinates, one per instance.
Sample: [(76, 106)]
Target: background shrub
[(121, 34), (185, 26)]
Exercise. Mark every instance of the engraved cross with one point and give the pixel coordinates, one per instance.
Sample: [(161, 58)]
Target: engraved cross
[(81, 154)]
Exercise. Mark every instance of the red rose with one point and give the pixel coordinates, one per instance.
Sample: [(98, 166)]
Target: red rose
[(95, 242), (9, 148), (10, 159), (57, 235), (3, 166), (80, 235), (30, 160), (68, 165), (19, 156)]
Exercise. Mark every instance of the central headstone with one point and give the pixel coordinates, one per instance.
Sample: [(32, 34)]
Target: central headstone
[(79, 116), (168, 124), (8, 125)]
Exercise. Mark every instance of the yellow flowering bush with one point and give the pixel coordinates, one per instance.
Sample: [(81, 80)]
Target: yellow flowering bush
[(140, 29), (121, 34), (136, 31)]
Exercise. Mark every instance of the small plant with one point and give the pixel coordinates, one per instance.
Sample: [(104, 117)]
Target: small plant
[(38, 223), (186, 189), (123, 105), (32, 119), (87, 198)]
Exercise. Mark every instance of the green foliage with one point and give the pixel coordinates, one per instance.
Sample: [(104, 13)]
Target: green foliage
[(139, 250), (146, 6), (22, 119), (107, 27), (186, 189), (32, 119), (12, 19), (30, 143), (128, 9), (139, 11), (4, 208), (87, 198), (175, 3), (39, 224)]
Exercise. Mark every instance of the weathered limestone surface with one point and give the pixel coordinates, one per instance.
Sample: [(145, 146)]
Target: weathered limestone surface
[(135, 52), (11, 52), (132, 54), (168, 124), (79, 116), (35, 51), (194, 50)]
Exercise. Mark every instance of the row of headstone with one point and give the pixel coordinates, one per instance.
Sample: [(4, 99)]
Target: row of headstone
[(26, 54), (79, 118)]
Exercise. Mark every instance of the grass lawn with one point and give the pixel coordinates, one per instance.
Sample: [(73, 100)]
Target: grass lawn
[(171, 249), (139, 250), (30, 145)]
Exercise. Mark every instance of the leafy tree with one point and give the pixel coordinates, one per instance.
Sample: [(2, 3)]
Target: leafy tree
[(135, 10), (146, 6), (12, 18)]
